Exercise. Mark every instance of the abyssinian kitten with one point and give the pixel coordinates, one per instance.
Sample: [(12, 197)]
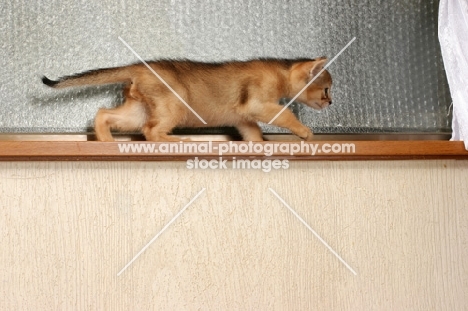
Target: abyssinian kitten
[(235, 94)]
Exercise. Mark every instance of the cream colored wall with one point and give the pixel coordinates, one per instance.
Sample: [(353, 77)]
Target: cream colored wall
[(68, 228)]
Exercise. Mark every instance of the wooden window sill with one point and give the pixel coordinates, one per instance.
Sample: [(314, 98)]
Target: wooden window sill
[(71, 147)]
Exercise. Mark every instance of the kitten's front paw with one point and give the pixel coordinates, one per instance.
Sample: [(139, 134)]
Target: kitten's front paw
[(309, 137)]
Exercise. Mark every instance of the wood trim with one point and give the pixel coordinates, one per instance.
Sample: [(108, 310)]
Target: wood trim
[(109, 151)]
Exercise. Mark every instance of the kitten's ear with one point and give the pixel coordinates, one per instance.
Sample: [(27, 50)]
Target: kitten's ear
[(317, 66)]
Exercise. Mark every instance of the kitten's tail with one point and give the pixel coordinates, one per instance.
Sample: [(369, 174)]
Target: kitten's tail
[(93, 77)]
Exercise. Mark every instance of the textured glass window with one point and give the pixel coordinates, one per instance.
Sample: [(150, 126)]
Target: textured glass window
[(391, 79)]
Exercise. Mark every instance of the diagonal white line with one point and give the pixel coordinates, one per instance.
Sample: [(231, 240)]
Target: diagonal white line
[(164, 82), (313, 79), (313, 231), (160, 232)]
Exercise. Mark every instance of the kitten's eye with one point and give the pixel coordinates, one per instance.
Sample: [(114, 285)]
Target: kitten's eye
[(326, 92)]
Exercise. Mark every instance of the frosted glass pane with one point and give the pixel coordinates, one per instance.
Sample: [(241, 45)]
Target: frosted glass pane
[(390, 79)]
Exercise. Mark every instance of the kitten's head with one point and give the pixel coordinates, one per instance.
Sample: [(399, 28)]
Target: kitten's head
[(318, 93)]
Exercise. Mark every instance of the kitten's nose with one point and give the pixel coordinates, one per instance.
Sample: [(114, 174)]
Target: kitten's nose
[(329, 103)]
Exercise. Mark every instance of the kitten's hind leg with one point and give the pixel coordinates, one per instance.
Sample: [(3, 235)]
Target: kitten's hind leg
[(250, 131), (164, 118), (130, 116)]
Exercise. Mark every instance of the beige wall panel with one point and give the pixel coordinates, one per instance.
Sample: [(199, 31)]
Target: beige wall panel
[(68, 228)]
